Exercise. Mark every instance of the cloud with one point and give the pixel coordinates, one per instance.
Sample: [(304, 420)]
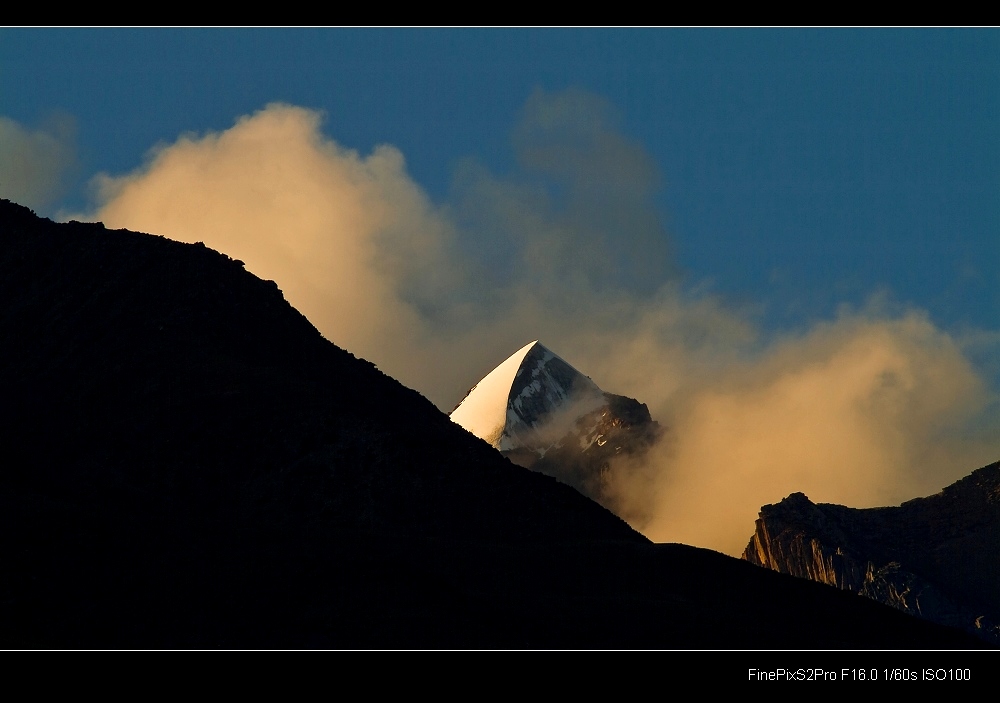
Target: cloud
[(34, 164), (862, 411), (581, 210), (871, 407)]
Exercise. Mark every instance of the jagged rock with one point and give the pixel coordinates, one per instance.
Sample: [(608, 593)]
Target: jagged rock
[(935, 557)]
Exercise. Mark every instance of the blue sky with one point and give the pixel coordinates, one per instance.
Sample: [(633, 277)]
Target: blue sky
[(724, 223), (801, 167)]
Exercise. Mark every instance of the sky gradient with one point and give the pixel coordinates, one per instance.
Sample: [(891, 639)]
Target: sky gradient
[(783, 240)]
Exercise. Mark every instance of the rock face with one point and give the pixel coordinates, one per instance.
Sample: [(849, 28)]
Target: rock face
[(935, 557), (543, 414)]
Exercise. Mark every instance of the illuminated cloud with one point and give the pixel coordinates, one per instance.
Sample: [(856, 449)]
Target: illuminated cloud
[(870, 408), (34, 164)]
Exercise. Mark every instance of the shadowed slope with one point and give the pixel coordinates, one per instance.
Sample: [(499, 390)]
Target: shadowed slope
[(186, 377)]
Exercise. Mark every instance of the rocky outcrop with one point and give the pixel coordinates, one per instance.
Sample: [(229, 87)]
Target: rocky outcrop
[(933, 557), (796, 537)]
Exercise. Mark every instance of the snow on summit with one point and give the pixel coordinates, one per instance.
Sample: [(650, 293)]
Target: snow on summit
[(531, 400), (544, 415)]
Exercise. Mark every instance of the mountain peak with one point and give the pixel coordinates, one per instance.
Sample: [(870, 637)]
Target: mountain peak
[(529, 401), (543, 414)]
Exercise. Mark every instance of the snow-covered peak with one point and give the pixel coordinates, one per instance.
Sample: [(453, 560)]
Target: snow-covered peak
[(483, 412), (531, 400)]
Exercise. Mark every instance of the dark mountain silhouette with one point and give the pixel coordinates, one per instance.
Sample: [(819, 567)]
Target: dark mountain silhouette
[(188, 463), (933, 557)]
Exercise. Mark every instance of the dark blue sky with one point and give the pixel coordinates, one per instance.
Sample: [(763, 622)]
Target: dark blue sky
[(802, 168)]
